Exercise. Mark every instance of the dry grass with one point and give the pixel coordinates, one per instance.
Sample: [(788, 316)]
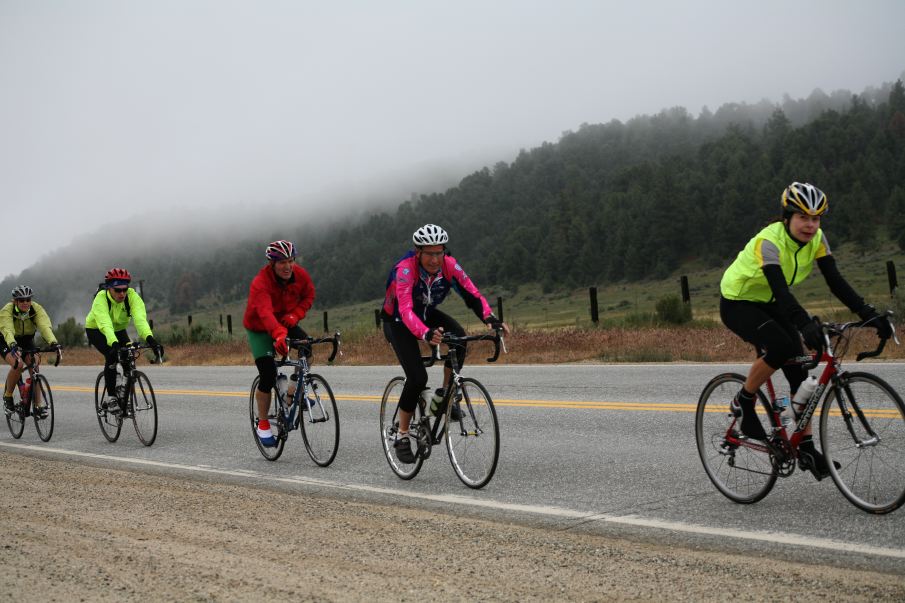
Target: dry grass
[(647, 344)]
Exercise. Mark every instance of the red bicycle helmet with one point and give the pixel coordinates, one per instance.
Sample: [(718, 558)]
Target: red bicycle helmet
[(117, 274)]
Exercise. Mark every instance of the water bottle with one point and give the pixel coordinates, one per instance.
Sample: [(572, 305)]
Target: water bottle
[(282, 387), (785, 414), (426, 397), (436, 401), (801, 397), (24, 389)]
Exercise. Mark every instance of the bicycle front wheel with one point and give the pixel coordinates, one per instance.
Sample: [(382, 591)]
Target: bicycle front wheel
[(110, 423), (742, 474), (276, 423), (42, 408), (320, 421), (144, 409), (473, 441), (862, 428), (389, 426), (15, 417)]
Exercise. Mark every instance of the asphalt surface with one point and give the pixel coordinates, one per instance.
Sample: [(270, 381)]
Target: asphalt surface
[(606, 449)]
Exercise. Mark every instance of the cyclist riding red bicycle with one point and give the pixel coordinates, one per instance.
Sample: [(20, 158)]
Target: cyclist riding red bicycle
[(757, 305), (418, 283), (114, 305), (19, 320), (279, 297)]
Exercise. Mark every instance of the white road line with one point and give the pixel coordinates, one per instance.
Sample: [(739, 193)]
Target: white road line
[(545, 511)]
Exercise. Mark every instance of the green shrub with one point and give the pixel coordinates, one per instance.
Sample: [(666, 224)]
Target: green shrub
[(70, 334), (670, 309)]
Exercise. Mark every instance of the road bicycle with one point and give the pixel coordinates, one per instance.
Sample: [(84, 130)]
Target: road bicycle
[(34, 399), (319, 417), (862, 430), (134, 398), (472, 439)]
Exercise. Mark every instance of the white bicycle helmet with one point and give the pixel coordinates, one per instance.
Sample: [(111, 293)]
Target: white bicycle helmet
[(804, 198), (430, 234), (23, 292)]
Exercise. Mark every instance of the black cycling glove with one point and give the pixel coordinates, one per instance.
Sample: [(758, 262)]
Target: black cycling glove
[(158, 349), (493, 322), (871, 318), (813, 334)]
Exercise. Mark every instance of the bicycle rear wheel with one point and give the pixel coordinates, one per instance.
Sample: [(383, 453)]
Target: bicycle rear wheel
[(144, 409), (862, 427), (389, 425), (110, 424), (15, 418), (742, 474), (320, 422), (276, 423), (42, 408), (473, 441)]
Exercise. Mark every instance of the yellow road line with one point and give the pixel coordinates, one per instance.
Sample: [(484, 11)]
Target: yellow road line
[(573, 404)]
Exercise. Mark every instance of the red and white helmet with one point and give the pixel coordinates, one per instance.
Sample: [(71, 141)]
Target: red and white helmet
[(280, 250), (117, 274)]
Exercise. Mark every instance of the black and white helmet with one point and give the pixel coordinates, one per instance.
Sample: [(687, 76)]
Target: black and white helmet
[(803, 198), (23, 292), (430, 234)]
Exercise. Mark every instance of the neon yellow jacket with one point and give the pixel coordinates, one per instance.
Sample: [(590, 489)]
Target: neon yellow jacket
[(109, 316), (15, 324), (745, 280)]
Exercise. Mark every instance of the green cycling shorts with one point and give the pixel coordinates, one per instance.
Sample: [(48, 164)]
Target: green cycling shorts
[(261, 344)]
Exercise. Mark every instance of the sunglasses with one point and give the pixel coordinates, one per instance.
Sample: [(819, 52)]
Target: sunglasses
[(23, 299), (120, 289)]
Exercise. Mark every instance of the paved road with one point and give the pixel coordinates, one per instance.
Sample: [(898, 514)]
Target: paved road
[(599, 448)]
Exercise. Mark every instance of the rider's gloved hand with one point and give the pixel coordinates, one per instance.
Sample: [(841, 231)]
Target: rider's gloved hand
[(14, 350), (154, 345), (812, 334), (871, 318), (115, 348), (290, 320), (281, 347), (493, 322), (434, 336), (56, 346)]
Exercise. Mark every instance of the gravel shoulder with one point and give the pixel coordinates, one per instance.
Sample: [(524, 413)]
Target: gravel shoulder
[(74, 532)]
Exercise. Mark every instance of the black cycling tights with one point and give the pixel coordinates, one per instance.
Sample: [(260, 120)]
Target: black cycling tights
[(764, 326), (99, 341), (405, 344)]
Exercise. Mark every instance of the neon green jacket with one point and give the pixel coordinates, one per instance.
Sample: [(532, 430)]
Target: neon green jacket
[(15, 324), (109, 316), (745, 280)]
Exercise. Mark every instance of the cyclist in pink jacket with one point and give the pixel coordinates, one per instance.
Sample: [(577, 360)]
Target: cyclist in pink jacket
[(418, 283)]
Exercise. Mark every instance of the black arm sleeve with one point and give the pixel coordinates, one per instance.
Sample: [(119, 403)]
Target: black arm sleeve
[(784, 298), (473, 302), (838, 285)]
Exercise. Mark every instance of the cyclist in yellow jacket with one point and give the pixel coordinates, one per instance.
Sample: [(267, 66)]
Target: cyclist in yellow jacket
[(19, 320), (112, 309), (756, 302)]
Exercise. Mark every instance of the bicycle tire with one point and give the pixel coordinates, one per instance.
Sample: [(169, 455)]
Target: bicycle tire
[(473, 441), (320, 423), (741, 474), (15, 418), (111, 425), (44, 426), (389, 424), (276, 423), (871, 477), (143, 407)]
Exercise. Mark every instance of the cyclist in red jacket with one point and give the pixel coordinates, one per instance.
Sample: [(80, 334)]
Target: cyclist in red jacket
[(280, 296)]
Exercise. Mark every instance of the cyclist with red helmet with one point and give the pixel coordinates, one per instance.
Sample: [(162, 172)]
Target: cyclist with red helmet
[(114, 305), (19, 321), (757, 305), (279, 297), (417, 284)]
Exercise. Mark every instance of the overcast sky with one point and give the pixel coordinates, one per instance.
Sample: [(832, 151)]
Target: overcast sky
[(114, 108)]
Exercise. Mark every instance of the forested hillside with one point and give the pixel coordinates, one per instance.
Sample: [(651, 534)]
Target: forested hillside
[(608, 202)]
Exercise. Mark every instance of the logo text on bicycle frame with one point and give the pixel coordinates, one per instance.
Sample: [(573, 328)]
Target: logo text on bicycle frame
[(811, 407)]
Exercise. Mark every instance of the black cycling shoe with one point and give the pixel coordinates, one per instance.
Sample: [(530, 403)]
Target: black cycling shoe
[(811, 460), (403, 448), (749, 424)]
